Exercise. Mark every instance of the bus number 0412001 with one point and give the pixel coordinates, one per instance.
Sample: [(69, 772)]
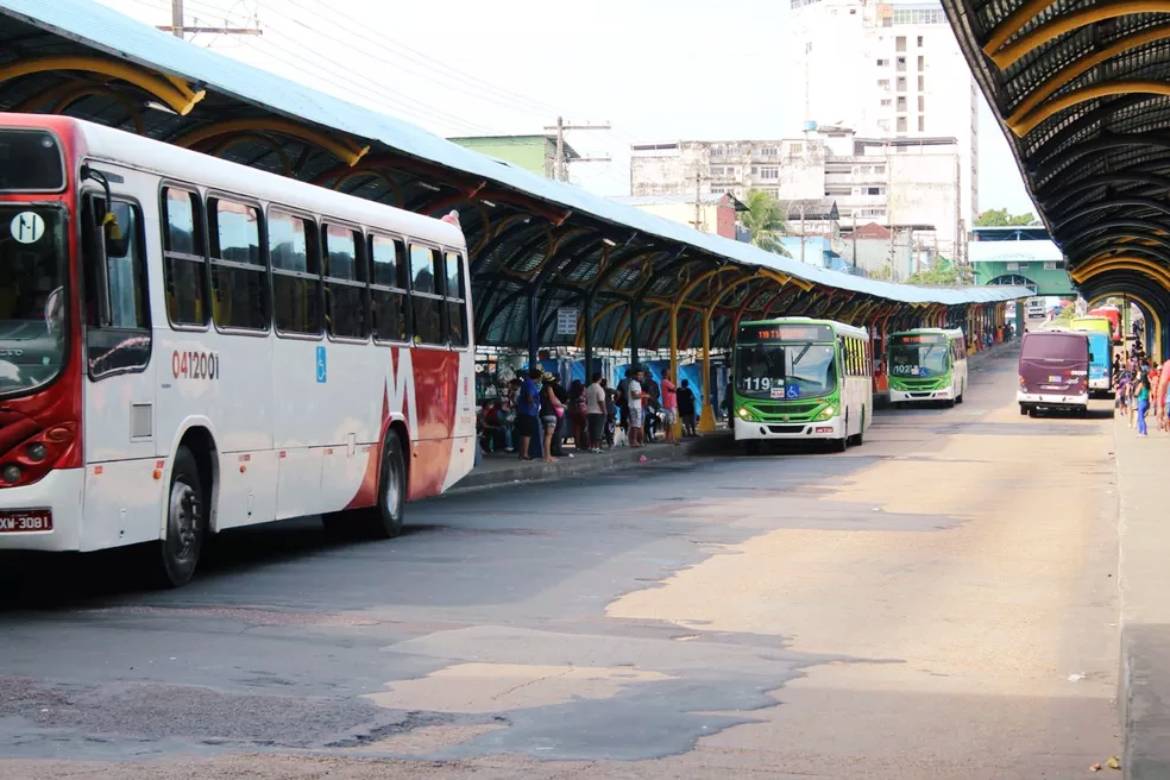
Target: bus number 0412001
[(195, 365)]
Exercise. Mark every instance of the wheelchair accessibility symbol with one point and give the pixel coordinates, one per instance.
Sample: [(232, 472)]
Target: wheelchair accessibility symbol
[(322, 366)]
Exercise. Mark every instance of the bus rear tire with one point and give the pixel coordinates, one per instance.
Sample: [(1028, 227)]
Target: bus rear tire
[(1023, 410), (186, 531), (385, 520)]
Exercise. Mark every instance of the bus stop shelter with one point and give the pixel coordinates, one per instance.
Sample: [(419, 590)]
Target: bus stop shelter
[(637, 281)]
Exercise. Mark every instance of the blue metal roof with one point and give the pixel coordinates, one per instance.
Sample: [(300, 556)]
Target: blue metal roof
[(106, 30)]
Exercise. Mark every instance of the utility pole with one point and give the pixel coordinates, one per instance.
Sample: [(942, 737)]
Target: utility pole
[(179, 28), (561, 162), (802, 236), (853, 214)]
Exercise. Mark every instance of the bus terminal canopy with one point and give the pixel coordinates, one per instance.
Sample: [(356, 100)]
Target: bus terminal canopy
[(535, 245), (1083, 92)]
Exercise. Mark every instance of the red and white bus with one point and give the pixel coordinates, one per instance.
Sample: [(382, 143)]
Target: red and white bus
[(188, 345)]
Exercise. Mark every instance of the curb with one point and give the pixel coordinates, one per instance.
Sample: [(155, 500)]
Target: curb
[(590, 463)]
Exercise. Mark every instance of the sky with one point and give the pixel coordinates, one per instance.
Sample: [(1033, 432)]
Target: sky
[(655, 70)]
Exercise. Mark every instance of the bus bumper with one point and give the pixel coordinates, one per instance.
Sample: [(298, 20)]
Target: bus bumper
[(822, 429), (1100, 384), (903, 396), (60, 492), (1053, 401)]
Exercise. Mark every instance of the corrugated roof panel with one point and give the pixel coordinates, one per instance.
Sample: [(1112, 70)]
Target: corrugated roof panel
[(106, 30)]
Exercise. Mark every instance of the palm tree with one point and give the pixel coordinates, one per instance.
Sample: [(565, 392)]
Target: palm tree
[(764, 220)]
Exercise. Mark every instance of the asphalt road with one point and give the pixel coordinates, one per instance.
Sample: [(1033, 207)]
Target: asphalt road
[(937, 603)]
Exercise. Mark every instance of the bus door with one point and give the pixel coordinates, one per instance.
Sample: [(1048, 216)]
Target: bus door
[(118, 419)]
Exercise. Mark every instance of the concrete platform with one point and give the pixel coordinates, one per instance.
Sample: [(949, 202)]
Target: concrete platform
[(1144, 570)]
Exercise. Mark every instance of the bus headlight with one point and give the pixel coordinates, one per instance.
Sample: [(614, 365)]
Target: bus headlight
[(743, 412), (826, 413)]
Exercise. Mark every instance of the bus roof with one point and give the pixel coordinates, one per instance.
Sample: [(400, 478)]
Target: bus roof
[(174, 163), (838, 327)]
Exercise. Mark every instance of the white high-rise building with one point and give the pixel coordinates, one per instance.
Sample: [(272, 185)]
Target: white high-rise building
[(883, 69)]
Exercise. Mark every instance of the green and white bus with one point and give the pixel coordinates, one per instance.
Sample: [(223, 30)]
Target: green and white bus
[(800, 378), (927, 364)]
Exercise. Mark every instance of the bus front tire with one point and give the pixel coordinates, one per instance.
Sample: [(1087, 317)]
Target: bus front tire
[(1023, 410), (186, 531)]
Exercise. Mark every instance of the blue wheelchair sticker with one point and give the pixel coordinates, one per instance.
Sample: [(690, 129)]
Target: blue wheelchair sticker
[(322, 366), (792, 391)]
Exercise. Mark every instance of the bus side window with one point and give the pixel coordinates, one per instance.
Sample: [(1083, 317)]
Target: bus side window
[(426, 300), (296, 274), (346, 311), (184, 261), (118, 338), (456, 291), (388, 289), (239, 277)]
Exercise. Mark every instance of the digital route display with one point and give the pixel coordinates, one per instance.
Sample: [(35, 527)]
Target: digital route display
[(796, 333)]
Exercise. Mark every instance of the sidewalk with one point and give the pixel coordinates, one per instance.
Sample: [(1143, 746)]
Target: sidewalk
[(504, 468), (1144, 573)]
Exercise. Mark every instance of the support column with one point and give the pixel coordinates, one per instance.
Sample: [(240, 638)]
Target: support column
[(676, 426), (633, 333), (587, 326), (533, 329), (707, 417)]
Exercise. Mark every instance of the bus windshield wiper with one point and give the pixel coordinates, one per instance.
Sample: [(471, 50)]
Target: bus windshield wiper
[(803, 352)]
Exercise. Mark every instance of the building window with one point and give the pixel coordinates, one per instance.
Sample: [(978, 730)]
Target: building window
[(901, 64), (345, 287), (795, 149), (886, 101), (921, 124), (296, 279), (1050, 265), (879, 170), (770, 151), (921, 62), (239, 279), (884, 84), (901, 83), (900, 43), (881, 63), (921, 83), (875, 190), (901, 127), (921, 103), (184, 264), (769, 173), (901, 103)]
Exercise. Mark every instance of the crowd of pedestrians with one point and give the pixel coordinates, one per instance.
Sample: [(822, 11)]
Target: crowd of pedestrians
[(535, 415), (1141, 387)]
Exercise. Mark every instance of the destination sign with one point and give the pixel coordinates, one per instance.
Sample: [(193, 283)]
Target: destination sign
[(919, 338), (798, 333)]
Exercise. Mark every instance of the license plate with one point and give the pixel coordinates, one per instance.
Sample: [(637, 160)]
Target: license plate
[(25, 520), (1055, 378)]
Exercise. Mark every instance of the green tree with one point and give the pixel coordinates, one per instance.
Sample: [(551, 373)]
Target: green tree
[(764, 220), (1001, 218)]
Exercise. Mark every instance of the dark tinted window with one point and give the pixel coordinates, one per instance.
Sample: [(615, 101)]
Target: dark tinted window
[(239, 280), (388, 300), (235, 231), (296, 283), (30, 160), (346, 310), (456, 305), (341, 252), (1060, 346), (118, 332), (423, 262), (386, 261), (184, 266)]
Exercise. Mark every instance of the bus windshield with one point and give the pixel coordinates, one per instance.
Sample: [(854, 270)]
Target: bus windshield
[(785, 371), (32, 296), (919, 355)]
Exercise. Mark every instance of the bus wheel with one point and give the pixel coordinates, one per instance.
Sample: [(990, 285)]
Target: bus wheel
[(962, 390), (1023, 409), (386, 520), (859, 437), (186, 523)]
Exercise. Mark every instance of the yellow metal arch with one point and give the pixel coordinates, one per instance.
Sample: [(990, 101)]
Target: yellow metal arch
[(1105, 263), (1004, 56), (181, 100), (344, 149), (1027, 123), (1081, 66), (1151, 310)]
